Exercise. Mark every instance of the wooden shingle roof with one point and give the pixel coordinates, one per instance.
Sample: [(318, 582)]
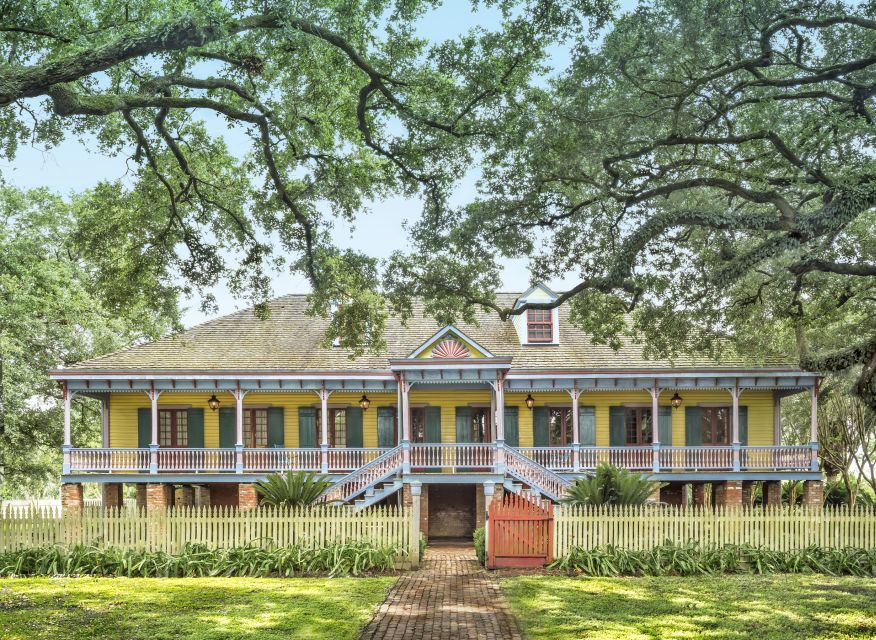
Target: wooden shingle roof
[(290, 340)]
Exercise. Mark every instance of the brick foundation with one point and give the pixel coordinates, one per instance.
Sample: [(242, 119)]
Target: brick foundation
[(247, 498), (184, 496), (673, 494), (72, 501), (813, 493), (772, 493), (699, 494), (111, 494), (727, 493), (223, 495), (452, 510), (202, 496), (141, 496), (407, 499), (747, 493), (480, 507), (159, 496)]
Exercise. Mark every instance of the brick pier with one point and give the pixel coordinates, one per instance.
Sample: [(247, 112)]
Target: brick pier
[(450, 598)]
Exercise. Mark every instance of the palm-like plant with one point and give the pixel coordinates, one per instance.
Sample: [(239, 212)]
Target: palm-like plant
[(612, 485), (295, 489)]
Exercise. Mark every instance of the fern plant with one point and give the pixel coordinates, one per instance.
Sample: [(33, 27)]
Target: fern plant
[(612, 485), (294, 489)]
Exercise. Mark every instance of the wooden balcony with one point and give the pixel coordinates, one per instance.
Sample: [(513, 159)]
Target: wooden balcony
[(477, 457)]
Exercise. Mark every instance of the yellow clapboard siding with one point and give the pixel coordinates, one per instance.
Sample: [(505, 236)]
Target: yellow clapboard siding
[(123, 410)]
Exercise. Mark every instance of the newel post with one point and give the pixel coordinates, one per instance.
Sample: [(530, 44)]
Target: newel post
[(416, 489)]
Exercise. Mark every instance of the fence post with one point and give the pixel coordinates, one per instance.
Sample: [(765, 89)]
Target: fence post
[(416, 488)]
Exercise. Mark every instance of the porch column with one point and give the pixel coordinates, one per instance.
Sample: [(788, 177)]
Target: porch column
[(736, 444), (416, 508), (813, 425), (777, 419), (499, 414), (323, 426), (68, 432), (238, 444), (153, 443), (576, 430), (655, 427), (104, 422), (406, 423)]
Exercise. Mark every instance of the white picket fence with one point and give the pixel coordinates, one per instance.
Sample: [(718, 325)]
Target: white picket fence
[(218, 527), (778, 528)]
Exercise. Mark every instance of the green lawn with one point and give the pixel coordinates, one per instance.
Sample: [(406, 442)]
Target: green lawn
[(196, 608), (761, 607)]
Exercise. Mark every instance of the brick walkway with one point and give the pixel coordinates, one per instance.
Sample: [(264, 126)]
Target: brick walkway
[(451, 597)]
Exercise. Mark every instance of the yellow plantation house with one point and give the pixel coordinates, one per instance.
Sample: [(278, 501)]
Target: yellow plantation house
[(455, 414)]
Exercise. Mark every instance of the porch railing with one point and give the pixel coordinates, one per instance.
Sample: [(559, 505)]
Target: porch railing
[(438, 456), (467, 456)]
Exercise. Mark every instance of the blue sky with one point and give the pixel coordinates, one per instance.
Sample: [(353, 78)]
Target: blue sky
[(71, 167)]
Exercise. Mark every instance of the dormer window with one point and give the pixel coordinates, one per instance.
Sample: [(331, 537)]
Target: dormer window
[(540, 325)]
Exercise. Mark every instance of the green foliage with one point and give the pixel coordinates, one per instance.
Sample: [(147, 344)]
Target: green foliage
[(197, 560), (693, 559), (294, 489), (612, 485), (480, 545), (56, 309), (423, 545)]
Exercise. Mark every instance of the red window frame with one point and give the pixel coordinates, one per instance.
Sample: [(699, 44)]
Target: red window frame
[(634, 417), (173, 432), (333, 431), (540, 325), (563, 436), (255, 428), (711, 417)]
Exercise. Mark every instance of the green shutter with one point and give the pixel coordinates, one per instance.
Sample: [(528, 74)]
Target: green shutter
[(276, 429), (616, 435), (307, 427), (587, 426), (144, 427), (743, 425), (227, 428), (433, 424), (693, 426), (354, 428), (385, 426), (463, 424), (512, 426), (665, 425), (195, 421), (540, 426)]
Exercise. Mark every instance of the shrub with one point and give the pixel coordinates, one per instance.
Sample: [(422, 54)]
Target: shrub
[(422, 546), (694, 559), (480, 545), (611, 485), (294, 489), (197, 560)]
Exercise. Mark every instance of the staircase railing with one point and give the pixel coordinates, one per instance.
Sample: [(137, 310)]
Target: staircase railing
[(356, 482), (535, 475)]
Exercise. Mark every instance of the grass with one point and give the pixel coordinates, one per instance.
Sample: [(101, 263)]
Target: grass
[(195, 608), (732, 607)]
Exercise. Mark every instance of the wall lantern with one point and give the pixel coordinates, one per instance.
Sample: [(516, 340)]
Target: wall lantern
[(676, 401), (213, 402), (530, 402), (364, 402)]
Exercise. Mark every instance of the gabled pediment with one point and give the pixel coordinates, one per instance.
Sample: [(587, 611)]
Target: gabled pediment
[(450, 344)]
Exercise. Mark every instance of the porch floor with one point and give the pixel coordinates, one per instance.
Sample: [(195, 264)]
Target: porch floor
[(451, 597)]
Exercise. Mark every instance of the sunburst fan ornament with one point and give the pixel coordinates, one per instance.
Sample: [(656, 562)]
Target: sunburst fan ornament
[(450, 349)]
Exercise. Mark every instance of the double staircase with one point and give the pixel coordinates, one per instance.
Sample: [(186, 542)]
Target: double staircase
[(382, 477)]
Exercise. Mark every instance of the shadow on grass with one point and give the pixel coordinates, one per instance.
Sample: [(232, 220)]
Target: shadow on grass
[(765, 607), (203, 609)]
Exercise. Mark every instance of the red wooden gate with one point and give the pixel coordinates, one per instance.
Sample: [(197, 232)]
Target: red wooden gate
[(521, 532)]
